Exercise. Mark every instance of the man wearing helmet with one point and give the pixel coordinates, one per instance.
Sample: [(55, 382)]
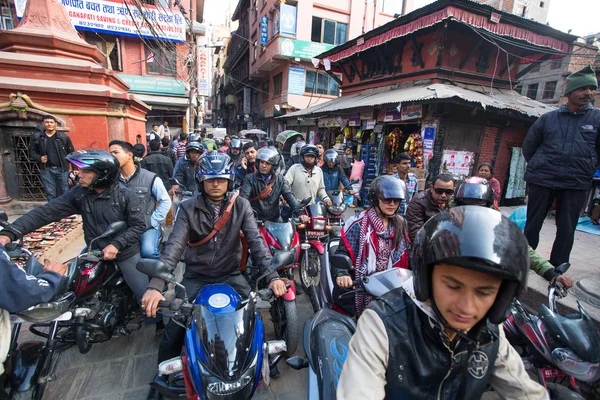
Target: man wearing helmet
[(306, 179), (333, 174), (235, 151), (185, 172), (296, 158), (375, 240), (265, 186), (477, 191), (207, 235), (439, 335), (101, 201)]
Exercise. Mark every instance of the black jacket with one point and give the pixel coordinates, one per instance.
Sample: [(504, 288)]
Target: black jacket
[(221, 255), (98, 210), (37, 148), (185, 173), (562, 149), (159, 164), (170, 154), (292, 160), (267, 209), (420, 209)]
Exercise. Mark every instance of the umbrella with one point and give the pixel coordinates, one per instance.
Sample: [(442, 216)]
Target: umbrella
[(285, 135), (242, 133), (256, 132)]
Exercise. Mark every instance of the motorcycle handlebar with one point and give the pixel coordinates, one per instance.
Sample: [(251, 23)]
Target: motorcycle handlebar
[(266, 294)]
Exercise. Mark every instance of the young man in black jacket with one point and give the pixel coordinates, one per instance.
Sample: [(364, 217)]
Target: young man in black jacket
[(49, 149), (157, 162), (101, 201)]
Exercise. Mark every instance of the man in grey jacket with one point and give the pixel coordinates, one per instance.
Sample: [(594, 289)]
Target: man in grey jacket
[(562, 149)]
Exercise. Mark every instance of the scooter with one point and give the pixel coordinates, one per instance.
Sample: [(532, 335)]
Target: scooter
[(553, 345), (327, 333), (225, 353)]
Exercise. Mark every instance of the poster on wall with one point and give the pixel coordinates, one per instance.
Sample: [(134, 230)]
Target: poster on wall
[(296, 78), (411, 112), (457, 162), (287, 19)]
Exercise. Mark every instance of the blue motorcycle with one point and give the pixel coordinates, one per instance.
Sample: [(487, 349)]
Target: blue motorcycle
[(225, 351)]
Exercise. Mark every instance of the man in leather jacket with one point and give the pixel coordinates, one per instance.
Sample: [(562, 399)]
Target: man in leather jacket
[(439, 335), (212, 260), (266, 201)]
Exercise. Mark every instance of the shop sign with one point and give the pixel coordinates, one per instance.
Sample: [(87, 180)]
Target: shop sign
[(269, 113), (457, 162), (249, 125), (368, 124), (287, 20), (354, 119), (367, 114), (203, 73), (412, 112), (264, 30), (296, 77), (392, 114), (328, 123), (302, 49), (428, 135), (151, 84), (246, 108), (343, 122), (104, 16)]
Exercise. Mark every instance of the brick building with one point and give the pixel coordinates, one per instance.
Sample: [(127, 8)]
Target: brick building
[(435, 76)]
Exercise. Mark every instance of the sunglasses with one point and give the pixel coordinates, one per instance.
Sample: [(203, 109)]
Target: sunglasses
[(389, 202), (441, 191)]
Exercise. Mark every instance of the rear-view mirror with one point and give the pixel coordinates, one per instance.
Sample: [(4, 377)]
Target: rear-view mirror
[(562, 268), (155, 269), (341, 261), (114, 229)]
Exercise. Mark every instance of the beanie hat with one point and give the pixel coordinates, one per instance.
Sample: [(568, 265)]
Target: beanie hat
[(582, 78)]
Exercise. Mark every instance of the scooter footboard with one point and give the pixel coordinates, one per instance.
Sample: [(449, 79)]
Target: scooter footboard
[(327, 336)]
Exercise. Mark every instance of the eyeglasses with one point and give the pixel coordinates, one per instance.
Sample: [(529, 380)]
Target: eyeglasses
[(219, 180), (441, 191), (391, 201)]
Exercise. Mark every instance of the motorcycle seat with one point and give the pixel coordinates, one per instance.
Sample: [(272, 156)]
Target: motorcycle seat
[(577, 332)]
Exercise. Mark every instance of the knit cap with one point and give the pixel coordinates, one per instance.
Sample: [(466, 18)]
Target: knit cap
[(582, 78)]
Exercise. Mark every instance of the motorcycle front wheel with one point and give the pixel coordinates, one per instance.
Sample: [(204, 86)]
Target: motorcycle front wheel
[(310, 269), (285, 321)]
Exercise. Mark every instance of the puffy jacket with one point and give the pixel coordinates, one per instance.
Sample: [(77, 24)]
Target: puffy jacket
[(185, 173), (37, 148), (400, 351), (420, 209), (333, 176), (221, 255), (267, 209), (98, 211), (562, 149), (159, 164)]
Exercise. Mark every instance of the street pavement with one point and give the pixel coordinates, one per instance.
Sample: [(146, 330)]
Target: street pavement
[(122, 367)]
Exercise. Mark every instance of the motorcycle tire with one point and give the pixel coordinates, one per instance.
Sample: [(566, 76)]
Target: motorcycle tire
[(291, 334), (560, 392), (306, 280), (81, 338)]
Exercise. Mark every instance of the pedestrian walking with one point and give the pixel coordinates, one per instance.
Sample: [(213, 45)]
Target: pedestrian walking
[(562, 149), (49, 148)]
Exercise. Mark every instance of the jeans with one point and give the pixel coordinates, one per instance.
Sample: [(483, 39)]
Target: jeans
[(149, 243), (54, 179), (174, 335)]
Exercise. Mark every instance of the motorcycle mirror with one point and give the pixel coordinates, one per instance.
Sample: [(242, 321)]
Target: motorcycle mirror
[(155, 269), (3, 216), (297, 363), (562, 268), (340, 261), (114, 229)]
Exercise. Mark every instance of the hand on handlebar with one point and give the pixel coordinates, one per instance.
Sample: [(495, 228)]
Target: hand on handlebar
[(565, 281), (109, 252), (328, 202), (150, 302), (59, 268), (4, 240), (344, 281), (305, 219), (278, 287)]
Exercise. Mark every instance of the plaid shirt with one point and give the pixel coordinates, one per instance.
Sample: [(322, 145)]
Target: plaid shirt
[(412, 185)]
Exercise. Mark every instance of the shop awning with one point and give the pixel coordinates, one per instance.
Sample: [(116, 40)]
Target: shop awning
[(498, 99), (158, 101)]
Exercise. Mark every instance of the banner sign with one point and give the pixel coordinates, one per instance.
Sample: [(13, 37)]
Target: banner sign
[(412, 112), (264, 30), (296, 77), (247, 101), (203, 73), (287, 19), (121, 19), (392, 114), (302, 49), (151, 84), (457, 162)]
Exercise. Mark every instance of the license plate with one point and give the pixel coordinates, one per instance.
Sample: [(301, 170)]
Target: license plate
[(316, 233), (550, 373), (15, 319)]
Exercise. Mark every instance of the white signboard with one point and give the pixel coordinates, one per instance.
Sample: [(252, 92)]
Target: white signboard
[(118, 18), (458, 162), (203, 73)]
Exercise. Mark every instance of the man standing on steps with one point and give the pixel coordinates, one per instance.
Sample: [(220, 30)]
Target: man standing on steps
[(562, 149), (49, 149)]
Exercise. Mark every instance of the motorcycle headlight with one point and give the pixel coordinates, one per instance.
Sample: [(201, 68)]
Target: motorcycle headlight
[(569, 362), (225, 388), (337, 210), (318, 224)]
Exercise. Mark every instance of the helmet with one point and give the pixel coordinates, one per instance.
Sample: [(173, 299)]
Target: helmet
[(476, 238), (330, 156), (236, 143), (473, 190), (299, 146), (269, 155), (104, 164), (194, 137), (194, 146), (309, 150), (386, 187), (215, 165), (270, 142)]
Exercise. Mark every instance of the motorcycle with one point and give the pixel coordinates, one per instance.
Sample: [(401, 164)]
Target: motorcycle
[(225, 353), (91, 304), (337, 208), (556, 346), (327, 333)]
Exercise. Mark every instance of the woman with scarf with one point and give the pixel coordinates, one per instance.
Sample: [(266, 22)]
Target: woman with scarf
[(376, 240)]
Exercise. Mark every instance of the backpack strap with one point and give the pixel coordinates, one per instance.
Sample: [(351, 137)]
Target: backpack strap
[(265, 192), (219, 225)]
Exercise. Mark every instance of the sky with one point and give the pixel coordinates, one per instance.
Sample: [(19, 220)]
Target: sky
[(216, 11), (579, 15)]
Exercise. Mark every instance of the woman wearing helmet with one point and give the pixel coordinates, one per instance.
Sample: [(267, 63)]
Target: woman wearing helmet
[(478, 192), (333, 174), (438, 336), (375, 240)]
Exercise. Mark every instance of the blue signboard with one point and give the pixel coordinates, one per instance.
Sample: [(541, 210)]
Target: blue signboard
[(296, 80), (264, 30), (287, 19)]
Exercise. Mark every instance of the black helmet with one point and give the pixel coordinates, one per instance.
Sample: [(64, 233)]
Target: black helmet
[(269, 155), (474, 190), (476, 238), (104, 164), (270, 142), (309, 150), (194, 137), (386, 187), (215, 165), (236, 143), (194, 146), (330, 156), (299, 145)]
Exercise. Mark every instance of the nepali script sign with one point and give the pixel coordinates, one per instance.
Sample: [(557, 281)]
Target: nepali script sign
[(116, 17)]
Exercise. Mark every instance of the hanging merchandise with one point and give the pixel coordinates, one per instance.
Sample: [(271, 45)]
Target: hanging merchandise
[(358, 135), (339, 139), (380, 148), (414, 148), (392, 142), (347, 132)]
